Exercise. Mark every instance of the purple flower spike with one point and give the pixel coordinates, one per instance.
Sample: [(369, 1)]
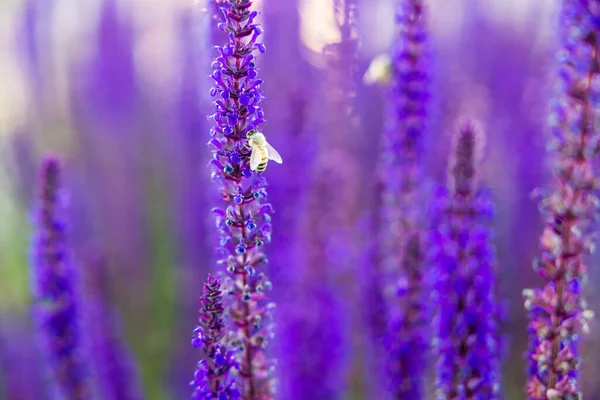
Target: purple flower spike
[(407, 343), (402, 322), (213, 379), (57, 306), (407, 114), (245, 223), (558, 312), (466, 340)]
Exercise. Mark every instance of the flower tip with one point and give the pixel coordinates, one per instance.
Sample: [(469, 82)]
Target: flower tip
[(50, 166), (472, 130)]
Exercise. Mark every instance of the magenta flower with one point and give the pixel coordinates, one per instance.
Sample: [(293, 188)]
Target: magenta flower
[(57, 305), (244, 223), (213, 379), (466, 339), (558, 312)]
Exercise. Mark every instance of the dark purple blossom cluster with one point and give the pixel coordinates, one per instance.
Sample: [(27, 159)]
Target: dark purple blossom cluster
[(558, 312), (244, 223), (57, 306), (212, 379), (466, 337), (400, 259)]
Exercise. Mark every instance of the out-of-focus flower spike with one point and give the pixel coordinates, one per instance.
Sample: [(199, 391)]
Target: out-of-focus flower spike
[(408, 324), (317, 342), (238, 112), (558, 312), (57, 306), (400, 175), (466, 337)]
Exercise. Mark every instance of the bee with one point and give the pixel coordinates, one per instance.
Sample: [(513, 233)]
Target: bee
[(379, 71), (262, 151)]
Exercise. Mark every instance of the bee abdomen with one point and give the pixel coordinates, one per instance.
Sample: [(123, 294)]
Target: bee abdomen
[(261, 167)]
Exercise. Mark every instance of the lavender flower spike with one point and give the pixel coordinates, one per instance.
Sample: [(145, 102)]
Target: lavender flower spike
[(245, 223), (467, 327), (212, 379), (558, 313), (408, 347), (400, 264), (57, 306)]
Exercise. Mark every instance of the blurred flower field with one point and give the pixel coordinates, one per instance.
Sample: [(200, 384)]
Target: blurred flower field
[(120, 90)]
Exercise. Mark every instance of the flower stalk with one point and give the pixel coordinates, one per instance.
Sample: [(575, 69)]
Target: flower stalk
[(558, 312), (212, 378), (244, 221), (57, 306), (466, 340), (316, 341), (399, 264)]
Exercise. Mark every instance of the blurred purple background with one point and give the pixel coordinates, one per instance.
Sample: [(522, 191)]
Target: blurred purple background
[(119, 88)]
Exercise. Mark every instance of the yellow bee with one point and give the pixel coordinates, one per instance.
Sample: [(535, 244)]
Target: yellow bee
[(379, 71), (262, 151)]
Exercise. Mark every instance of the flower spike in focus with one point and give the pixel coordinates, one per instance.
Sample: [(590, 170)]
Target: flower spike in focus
[(243, 219)]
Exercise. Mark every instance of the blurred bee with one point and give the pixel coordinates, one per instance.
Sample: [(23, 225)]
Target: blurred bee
[(379, 71), (262, 151)]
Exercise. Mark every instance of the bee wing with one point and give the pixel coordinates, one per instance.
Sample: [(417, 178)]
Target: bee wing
[(273, 154), (255, 157)]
